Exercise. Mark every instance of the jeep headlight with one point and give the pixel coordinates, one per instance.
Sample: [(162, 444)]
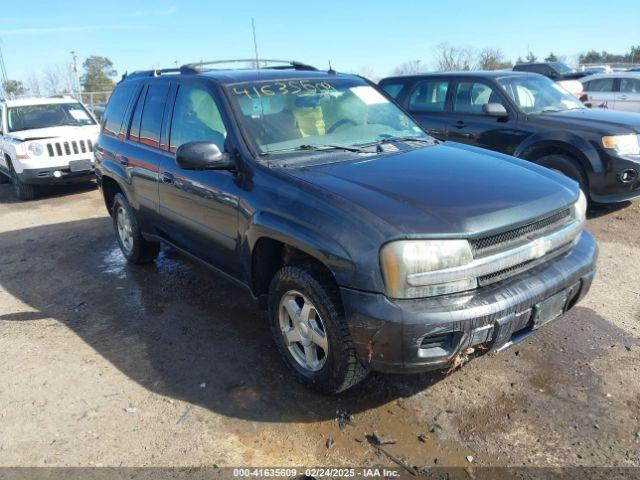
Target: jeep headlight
[(36, 149), (402, 261), (579, 209), (623, 144)]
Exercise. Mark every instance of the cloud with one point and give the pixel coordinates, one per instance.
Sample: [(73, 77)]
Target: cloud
[(44, 30)]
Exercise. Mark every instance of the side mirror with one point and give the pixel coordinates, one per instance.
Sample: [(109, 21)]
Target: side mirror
[(495, 110), (201, 156)]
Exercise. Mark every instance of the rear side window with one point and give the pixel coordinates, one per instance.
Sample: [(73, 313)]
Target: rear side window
[(152, 112), (134, 131), (196, 118), (630, 85), (429, 96), (116, 108), (393, 89), (599, 85)]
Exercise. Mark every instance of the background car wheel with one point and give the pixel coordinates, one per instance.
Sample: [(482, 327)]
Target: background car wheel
[(309, 329), (135, 248), (567, 166), (24, 191)]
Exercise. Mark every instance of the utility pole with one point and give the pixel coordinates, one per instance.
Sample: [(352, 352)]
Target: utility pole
[(74, 55), (3, 71)]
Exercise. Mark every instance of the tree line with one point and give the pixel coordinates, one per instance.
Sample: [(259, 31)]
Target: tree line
[(97, 76)]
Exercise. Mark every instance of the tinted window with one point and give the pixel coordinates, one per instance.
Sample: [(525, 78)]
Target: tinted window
[(630, 85), (152, 114), (393, 89), (429, 96), (134, 131), (116, 108), (471, 96), (196, 118), (599, 85)]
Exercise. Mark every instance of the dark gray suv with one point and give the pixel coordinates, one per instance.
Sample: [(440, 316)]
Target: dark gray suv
[(372, 245)]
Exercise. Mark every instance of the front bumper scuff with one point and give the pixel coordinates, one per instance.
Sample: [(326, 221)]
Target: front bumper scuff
[(388, 334)]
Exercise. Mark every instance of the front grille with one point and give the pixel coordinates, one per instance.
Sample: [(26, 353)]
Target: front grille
[(511, 238), (73, 147)]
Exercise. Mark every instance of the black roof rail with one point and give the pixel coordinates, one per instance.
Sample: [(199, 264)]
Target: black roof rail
[(150, 73), (196, 67)]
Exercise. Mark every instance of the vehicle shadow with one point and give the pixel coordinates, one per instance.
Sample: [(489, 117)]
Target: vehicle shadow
[(598, 210), (171, 325), (7, 194)]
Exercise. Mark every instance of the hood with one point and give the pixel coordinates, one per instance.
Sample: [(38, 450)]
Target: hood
[(446, 190), (626, 122), (56, 132)]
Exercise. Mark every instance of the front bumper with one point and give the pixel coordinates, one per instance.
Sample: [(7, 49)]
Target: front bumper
[(427, 334), (610, 186), (40, 176)]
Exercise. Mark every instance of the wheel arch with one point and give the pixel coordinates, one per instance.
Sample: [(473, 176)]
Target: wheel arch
[(575, 147)]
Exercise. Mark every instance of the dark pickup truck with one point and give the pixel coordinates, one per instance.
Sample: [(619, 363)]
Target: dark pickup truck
[(528, 116), (371, 244)]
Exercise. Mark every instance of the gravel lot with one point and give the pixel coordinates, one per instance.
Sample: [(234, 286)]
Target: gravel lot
[(106, 364)]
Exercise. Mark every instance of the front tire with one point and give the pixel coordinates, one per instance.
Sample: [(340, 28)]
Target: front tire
[(24, 191), (310, 332), (134, 247), (568, 167)]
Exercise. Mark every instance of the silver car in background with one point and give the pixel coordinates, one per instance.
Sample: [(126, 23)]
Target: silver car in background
[(615, 91)]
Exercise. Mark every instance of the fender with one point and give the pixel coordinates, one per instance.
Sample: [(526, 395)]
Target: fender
[(298, 235), (569, 142), (116, 171)]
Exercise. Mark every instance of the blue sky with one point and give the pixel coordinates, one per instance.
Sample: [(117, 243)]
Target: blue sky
[(355, 35)]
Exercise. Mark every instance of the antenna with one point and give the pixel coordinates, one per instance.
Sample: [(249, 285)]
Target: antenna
[(255, 43), (331, 71)]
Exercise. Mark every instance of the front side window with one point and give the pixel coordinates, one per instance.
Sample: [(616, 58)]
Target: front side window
[(599, 85), (28, 117), (470, 97), (630, 85), (538, 94), (196, 118), (151, 121), (315, 112), (429, 96)]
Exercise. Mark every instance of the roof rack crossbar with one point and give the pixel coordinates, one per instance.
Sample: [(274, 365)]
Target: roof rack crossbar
[(197, 66)]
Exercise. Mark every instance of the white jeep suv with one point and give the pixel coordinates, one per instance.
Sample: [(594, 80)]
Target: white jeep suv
[(45, 141)]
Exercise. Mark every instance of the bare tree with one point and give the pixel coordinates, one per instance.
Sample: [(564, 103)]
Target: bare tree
[(454, 58), (492, 59), (406, 68), (367, 72), (58, 79), (33, 85)]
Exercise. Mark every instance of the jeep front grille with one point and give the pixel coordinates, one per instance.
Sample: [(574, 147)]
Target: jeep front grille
[(73, 147)]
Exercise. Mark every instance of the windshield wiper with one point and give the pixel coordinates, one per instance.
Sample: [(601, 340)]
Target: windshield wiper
[(314, 147), (387, 140)]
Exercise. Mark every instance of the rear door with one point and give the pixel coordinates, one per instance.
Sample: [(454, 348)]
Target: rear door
[(469, 124), (628, 98), (601, 92), (427, 103), (199, 208)]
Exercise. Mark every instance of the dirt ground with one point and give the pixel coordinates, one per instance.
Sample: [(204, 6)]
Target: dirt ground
[(167, 365)]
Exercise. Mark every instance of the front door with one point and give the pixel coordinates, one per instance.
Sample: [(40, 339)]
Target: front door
[(601, 93), (628, 98), (199, 207), (470, 124)]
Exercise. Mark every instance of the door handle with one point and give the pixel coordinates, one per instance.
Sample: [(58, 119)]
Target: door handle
[(167, 178), (123, 160), (623, 97), (459, 124)]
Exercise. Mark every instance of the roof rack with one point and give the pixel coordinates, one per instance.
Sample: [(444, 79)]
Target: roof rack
[(156, 72), (196, 67)]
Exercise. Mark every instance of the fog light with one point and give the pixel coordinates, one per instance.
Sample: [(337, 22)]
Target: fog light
[(57, 174), (628, 175)]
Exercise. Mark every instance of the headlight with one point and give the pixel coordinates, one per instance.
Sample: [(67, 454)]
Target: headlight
[(623, 144), (403, 258), (36, 149), (579, 209)]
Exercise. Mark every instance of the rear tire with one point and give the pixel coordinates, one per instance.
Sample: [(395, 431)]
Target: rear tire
[(24, 191), (568, 167), (334, 367), (134, 247)]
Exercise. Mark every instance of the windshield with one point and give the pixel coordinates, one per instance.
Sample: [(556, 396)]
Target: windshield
[(293, 115), (29, 117), (537, 94), (562, 67)]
